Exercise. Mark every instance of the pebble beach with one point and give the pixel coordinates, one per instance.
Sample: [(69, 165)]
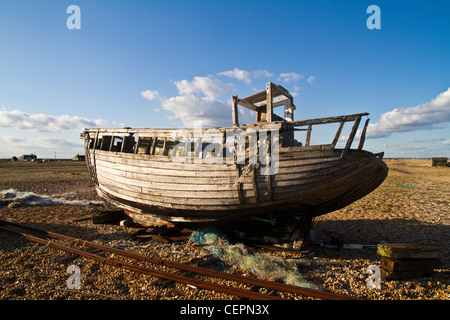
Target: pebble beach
[(411, 206)]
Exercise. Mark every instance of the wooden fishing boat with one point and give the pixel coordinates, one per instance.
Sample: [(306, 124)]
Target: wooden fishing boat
[(246, 173)]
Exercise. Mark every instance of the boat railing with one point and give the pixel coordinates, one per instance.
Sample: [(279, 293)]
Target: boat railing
[(237, 142), (307, 125), (222, 142)]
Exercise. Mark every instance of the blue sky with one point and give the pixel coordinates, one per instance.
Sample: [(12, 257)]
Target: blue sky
[(164, 64)]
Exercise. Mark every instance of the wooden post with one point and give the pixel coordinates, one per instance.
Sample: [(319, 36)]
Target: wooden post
[(338, 133), (255, 186), (111, 144), (164, 147), (268, 156), (351, 137), (222, 151), (197, 148), (238, 186), (152, 151), (363, 135), (261, 114), (136, 148), (93, 164), (308, 135), (269, 106), (235, 111)]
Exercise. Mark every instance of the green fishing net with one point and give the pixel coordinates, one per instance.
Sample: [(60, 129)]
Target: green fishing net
[(242, 257)]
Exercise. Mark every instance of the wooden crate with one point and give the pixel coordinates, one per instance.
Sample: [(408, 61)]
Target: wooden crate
[(404, 260), (397, 269)]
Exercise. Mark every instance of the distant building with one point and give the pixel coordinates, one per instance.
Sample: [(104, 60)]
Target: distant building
[(78, 158), (28, 157), (439, 162)]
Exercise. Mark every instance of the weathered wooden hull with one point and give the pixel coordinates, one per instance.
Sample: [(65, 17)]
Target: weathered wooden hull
[(320, 181)]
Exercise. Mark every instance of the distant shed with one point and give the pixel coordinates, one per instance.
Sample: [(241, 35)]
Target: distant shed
[(28, 157), (439, 162), (78, 157)]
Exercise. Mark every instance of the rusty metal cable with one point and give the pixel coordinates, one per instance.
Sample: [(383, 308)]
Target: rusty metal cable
[(203, 271), (160, 274)]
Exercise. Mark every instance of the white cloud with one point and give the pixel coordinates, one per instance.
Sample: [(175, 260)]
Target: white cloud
[(150, 95), (446, 142), (12, 139), (189, 108), (43, 147), (201, 98), (311, 80), (46, 123), (210, 87), (290, 76), (40, 142), (197, 100), (296, 91), (246, 76), (431, 140), (430, 115)]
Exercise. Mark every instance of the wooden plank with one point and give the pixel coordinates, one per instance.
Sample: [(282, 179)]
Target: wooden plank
[(348, 178), (269, 177), (398, 269), (191, 179), (154, 162), (154, 141), (407, 251), (400, 265), (247, 104), (175, 171), (257, 97), (400, 275), (136, 148), (162, 185), (307, 163), (269, 106), (178, 133), (298, 153), (308, 135), (147, 221), (363, 135), (183, 204), (235, 110), (338, 133), (345, 118), (299, 149), (351, 137), (292, 165), (303, 176), (238, 186), (279, 90), (165, 147), (255, 186)]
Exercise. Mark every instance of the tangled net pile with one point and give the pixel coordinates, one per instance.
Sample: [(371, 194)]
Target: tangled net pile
[(259, 263)]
